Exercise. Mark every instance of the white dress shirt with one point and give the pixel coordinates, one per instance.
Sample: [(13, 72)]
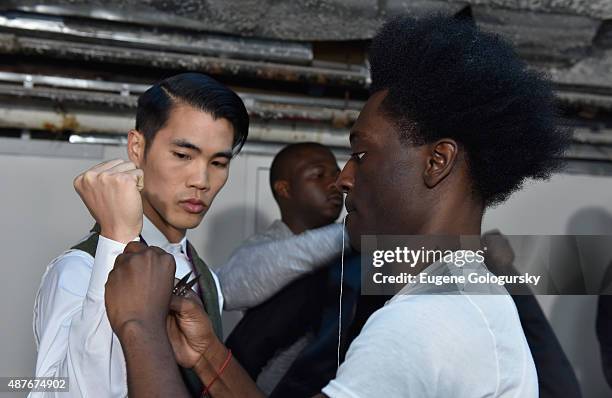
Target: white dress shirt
[(72, 332)]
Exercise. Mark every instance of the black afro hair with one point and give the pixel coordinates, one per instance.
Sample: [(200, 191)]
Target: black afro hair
[(446, 78)]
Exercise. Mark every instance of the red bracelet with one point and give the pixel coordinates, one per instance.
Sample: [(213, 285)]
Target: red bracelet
[(219, 373)]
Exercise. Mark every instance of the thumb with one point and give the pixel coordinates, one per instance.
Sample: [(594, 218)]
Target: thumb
[(178, 304), (189, 304)]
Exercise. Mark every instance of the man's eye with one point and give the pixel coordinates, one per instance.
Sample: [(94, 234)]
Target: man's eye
[(181, 155), (358, 156), (219, 164)]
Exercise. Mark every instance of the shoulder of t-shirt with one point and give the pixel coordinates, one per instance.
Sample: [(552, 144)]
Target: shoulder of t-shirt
[(453, 303), (432, 318)]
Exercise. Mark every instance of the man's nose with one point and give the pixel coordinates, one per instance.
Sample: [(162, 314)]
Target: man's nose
[(345, 180), (200, 180), (330, 183)]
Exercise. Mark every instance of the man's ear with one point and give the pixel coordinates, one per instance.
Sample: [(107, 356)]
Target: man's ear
[(281, 187), (136, 147), (441, 159)]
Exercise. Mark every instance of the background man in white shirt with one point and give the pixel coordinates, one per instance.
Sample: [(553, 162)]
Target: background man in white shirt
[(455, 123), (188, 127), (281, 276)]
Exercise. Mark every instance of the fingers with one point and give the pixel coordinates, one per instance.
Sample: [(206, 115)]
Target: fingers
[(125, 169), (121, 167), (97, 169), (109, 164), (129, 168), (186, 304), (140, 255), (135, 247), (100, 167), (138, 176)]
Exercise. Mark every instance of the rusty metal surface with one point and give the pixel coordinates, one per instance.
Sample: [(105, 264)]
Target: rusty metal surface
[(130, 35), (307, 20), (570, 40), (541, 36), (599, 9), (289, 20), (122, 98), (13, 44)]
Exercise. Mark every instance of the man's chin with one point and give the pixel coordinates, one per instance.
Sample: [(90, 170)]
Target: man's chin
[(354, 235), (189, 221)]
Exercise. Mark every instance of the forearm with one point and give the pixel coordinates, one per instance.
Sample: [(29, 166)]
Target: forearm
[(255, 273), (232, 381), (150, 362)]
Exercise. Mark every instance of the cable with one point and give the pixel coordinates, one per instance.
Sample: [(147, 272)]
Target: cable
[(340, 298)]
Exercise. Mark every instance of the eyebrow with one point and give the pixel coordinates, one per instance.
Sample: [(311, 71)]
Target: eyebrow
[(188, 145), (320, 164)]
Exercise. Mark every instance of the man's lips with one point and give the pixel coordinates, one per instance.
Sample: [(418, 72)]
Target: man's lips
[(195, 206), (335, 199)]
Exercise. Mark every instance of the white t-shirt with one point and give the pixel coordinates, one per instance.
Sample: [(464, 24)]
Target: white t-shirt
[(439, 345)]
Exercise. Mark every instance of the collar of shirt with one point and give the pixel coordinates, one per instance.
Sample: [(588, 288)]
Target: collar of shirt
[(154, 237), (279, 230)]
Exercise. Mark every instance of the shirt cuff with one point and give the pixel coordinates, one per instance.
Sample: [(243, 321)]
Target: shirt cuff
[(104, 261)]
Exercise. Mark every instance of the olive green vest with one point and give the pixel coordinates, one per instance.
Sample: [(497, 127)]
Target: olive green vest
[(208, 294)]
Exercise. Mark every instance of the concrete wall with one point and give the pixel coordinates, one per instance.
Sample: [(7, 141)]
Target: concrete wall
[(41, 216)]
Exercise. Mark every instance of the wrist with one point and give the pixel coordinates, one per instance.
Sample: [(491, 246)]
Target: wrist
[(124, 236), (211, 359), (138, 329)]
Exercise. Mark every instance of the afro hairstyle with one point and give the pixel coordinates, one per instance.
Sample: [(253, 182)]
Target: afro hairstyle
[(445, 78)]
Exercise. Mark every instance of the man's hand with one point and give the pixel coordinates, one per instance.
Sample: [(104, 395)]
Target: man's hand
[(138, 289), (110, 190), (499, 256), (189, 329)]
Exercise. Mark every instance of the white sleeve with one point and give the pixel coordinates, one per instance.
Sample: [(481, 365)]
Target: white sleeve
[(74, 336), (255, 272)]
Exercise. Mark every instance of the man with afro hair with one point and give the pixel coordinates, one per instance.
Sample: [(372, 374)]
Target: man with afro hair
[(455, 124)]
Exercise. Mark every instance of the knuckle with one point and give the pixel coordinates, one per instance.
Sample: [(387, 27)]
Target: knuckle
[(157, 250), (168, 259), (88, 176), (123, 178), (149, 253), (101, 177)]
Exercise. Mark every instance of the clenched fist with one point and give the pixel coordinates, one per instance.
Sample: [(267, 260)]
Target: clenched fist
[(111, 192), (139, 287)]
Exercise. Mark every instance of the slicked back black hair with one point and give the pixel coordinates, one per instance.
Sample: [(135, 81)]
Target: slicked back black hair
[(446, 78), (197, 90)]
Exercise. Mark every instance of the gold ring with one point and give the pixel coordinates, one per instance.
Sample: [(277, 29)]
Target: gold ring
[(140, 182)]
